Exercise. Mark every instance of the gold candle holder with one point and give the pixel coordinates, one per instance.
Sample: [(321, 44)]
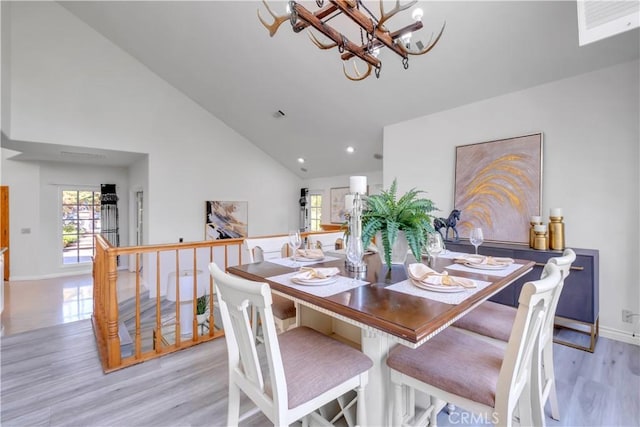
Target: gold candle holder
[(540, 239), (556, 233), (535, 220)]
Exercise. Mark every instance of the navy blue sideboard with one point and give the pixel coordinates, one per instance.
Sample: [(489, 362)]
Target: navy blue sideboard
[(578, 306)]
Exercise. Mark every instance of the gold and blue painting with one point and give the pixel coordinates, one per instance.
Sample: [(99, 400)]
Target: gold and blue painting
[(498, 187)]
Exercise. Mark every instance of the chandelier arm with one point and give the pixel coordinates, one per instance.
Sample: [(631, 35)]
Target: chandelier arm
[(396, 34), (368, 25), (277, 20), (426, 49), (334, 35), (320, 14)]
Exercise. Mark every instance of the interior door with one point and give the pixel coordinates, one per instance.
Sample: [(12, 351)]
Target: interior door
[(4, 227)]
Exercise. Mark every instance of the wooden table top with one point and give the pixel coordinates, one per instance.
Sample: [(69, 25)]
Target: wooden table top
[(404, 316)]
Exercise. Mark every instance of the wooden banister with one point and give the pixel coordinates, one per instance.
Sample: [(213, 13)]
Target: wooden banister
[(106, 316)]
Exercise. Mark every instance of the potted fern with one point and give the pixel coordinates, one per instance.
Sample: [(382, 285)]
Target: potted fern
[(398, 224), (202, 308)]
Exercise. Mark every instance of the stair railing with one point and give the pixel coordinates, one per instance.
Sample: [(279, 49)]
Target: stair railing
[(151, 268)]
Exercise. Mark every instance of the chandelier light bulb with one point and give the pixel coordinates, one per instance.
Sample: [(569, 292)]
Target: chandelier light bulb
[(417, 14), (406, 38)]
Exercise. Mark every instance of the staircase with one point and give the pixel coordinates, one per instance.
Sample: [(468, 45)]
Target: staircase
[(127, 320)]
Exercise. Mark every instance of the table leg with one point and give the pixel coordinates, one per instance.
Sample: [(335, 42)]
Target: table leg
[(377, 393)]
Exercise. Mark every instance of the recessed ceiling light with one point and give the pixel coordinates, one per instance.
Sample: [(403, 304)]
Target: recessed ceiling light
[(350, 149), (300, 160)]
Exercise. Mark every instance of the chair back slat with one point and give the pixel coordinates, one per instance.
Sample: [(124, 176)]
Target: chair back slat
[(564, 263), (264, 248), (325, 241), (236, 296), (534, 303)]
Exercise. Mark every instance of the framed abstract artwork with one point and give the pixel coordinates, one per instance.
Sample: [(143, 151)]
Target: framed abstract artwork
[(337, 204), (225, 220), (498, 187)]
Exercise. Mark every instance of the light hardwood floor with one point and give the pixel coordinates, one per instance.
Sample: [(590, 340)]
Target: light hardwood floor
[(52, 376)]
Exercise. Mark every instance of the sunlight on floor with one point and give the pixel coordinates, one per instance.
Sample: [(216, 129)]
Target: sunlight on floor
[(34, 304)]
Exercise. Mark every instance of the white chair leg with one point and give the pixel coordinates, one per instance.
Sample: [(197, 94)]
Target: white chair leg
[(233, 409), (550, 381), (398, 406), (361, 413), (438, 405)]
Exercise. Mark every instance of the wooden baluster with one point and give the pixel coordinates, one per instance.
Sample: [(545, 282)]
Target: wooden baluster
[(158, 335), (138, 338), (177, 285), (113, 340), (194, 319)]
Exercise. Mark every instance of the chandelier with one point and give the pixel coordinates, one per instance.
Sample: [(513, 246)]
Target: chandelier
[(373, 33)]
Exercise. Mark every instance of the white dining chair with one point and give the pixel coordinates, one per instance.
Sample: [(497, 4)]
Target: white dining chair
[(473, 374), (325, 241), (291, 375), (265, 248), (494, 321)]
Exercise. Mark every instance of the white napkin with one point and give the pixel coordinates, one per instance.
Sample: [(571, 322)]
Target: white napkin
[(308, 273), (421, 273), (310, 253)]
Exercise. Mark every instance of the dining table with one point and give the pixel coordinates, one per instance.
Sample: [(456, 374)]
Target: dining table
[(383, 305)]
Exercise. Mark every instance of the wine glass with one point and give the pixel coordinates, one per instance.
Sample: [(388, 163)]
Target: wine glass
[(294, 243), (435, 245), (476, 238)]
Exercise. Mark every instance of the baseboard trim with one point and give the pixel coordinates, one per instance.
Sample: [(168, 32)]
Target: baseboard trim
[(50, 276), (618, 335), (81, 272)]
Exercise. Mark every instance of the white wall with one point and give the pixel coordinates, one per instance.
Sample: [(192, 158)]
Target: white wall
[(71, 86), (324, 185), (590, 126)]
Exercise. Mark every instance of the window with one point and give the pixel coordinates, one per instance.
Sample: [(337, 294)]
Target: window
[(316, 212), (80, 221)]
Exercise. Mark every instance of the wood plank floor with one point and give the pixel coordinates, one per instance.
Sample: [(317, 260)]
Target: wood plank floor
[(52, 377)]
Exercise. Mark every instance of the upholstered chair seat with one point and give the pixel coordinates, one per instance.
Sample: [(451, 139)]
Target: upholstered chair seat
[(495, 321), (290, 376), (469, 372)]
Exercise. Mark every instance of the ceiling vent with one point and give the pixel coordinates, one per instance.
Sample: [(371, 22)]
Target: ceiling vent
[(598, 20)]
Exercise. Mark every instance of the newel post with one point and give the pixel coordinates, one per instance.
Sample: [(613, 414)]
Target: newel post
[(113, 340)]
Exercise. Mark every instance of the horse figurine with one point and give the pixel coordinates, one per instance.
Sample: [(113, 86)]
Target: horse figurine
[(448, 223)]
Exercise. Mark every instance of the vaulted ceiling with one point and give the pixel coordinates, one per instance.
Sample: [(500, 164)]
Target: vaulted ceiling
[(218, 54)]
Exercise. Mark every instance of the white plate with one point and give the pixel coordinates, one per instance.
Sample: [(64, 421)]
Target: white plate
[(486, 266), (303, 259), (314, 282), (437, 288)]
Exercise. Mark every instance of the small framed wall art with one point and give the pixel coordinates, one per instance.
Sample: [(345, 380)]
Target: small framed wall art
[(225, 220)]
